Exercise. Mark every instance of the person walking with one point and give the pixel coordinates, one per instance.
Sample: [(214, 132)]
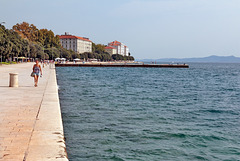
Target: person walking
[(36, 71)]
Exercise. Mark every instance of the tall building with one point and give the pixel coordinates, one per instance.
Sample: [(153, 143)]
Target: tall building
[(75, 43), (121, 48)]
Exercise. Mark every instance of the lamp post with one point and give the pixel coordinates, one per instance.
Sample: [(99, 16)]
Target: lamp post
[(28, 56)]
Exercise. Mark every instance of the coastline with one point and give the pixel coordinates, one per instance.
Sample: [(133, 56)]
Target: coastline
[(30, 119)]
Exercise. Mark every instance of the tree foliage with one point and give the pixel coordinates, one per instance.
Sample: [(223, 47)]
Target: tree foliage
[(27, 40), (32, 33), (27, 31), (121, 57), (98, 48), (11, 44)]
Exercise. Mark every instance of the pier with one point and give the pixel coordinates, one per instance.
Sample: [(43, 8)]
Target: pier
[(124, 65), (31, 126)]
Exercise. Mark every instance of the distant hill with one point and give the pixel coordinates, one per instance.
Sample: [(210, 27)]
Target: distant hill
[(209, 59)]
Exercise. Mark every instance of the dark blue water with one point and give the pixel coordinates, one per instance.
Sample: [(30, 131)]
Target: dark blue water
[(151, 114)]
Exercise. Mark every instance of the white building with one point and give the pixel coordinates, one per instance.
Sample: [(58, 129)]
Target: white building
[(126, 50), (75, 43), (121, 48), (111, 50)]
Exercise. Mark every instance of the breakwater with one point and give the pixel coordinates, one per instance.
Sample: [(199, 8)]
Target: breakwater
[(127, 65)]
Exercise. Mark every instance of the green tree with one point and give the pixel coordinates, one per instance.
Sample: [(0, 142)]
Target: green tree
[(117, 57), (33, 49), (74, 55), (53, 52), (64, 53)]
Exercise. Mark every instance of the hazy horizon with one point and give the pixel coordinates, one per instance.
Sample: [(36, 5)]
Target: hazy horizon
[(152, 29), (209, 56)]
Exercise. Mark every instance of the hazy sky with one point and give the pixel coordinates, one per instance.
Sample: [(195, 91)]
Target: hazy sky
[(150, 28)]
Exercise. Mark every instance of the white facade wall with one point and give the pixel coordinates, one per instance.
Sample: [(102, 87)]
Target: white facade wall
[(111, 51), (69, 44), (118, 49), (87, 46), (76, 45), (126, 51)]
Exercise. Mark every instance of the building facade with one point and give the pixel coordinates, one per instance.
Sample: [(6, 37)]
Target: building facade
[(75, 43), (121, 48), (111, 50)]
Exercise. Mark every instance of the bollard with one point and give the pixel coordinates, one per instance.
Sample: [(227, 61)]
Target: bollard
[(13, 80)]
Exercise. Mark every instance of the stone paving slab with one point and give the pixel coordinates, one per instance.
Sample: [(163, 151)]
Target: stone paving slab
[(30, 117)]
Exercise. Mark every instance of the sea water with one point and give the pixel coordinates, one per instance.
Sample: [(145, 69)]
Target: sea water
[(151, 114)]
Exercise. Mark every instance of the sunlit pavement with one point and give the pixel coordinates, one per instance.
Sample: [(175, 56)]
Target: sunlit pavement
[(30, 117)]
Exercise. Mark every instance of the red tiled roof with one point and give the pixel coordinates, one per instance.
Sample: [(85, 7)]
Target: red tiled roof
[(115, 43), (73, 37), (109, 47)]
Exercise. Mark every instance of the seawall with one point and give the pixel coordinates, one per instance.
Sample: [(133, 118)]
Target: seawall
[(30, 117), (126, 65)]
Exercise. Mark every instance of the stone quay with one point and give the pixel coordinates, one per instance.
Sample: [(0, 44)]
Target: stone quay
[(31, 126)]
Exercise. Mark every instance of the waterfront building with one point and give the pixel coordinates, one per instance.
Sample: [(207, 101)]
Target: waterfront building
[(121, 48), (111, 50), (76, 43), (126, 50)]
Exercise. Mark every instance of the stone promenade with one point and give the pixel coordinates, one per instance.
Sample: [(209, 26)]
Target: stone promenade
[(30, 117)]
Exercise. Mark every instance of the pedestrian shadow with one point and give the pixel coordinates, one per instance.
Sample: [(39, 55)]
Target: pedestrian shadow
[(3, 86), (26, 86)]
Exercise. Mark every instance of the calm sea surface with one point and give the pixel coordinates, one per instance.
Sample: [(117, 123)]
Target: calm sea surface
[(151, 114)]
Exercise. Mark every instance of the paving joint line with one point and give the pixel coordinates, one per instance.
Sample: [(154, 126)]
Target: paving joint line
[(26, 152)]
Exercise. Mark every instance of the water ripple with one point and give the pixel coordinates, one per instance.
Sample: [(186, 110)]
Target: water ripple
[(151, 114)]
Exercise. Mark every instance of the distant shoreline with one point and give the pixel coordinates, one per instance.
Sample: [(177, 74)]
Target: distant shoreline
[(209, 59)]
